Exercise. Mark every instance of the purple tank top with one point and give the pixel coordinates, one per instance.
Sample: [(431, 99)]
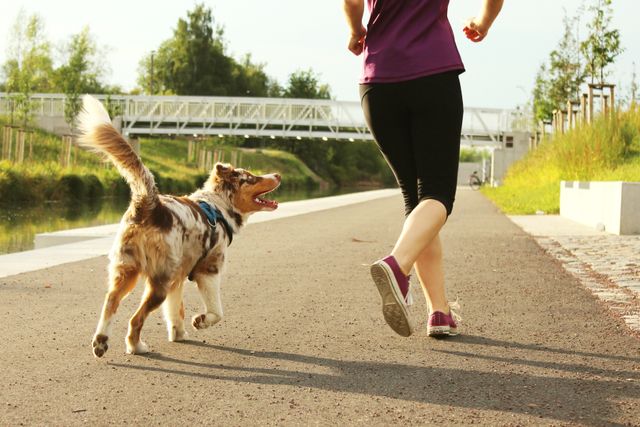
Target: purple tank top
[(407, 39)]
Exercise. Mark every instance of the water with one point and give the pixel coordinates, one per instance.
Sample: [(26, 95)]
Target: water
[(19, 225)]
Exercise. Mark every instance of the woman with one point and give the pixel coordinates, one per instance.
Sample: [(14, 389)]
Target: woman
[(412, 102)]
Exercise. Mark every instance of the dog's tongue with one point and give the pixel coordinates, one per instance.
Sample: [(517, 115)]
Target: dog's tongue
[(267, 203)]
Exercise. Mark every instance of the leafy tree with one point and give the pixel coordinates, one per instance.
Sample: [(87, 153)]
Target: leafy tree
[(28, 66), (560, 80), (79, 74), (193, 61), (305, 84), (250, 79), (602, 46)]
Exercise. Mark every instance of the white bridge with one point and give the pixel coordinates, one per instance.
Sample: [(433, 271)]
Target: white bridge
[(253, 117)]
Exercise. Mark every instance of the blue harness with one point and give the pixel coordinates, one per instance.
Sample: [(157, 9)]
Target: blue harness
[(214, 216)]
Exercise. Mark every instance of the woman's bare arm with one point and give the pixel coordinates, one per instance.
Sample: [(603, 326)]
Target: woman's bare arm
[(477, 28), (353, 10)]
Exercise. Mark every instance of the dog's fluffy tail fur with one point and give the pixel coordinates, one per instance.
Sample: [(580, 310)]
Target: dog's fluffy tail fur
[(98, 134)]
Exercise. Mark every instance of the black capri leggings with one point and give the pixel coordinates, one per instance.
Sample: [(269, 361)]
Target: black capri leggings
[(417, 125)]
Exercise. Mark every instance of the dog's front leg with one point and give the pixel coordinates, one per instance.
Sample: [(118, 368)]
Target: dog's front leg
[(209, 286)]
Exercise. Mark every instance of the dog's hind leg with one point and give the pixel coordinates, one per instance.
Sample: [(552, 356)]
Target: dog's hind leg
[(173, 308), (154, 296), (209, 286), (122, 280)]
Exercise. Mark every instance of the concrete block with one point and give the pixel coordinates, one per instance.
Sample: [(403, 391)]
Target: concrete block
[(610, 206)]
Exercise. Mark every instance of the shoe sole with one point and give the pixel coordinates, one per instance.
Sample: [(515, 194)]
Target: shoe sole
[(442, 331), (393, 308)]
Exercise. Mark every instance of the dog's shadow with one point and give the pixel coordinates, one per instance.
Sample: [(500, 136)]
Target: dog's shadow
[(565, 398)]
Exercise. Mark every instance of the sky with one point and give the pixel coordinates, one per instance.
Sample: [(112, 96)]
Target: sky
[(287, 35)]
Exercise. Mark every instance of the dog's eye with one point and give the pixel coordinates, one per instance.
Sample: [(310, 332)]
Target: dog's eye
[(248, 179)]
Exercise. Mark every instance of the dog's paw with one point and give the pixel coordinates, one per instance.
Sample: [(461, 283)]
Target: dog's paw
[(203, 321), (140, 348), (100, 345), (177, 334)]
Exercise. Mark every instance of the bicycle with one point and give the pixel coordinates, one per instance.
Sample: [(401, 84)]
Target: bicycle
[(474, 181)]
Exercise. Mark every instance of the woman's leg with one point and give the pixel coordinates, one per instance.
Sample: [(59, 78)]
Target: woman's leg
[(389, 121), (436, 108), (430, 271)]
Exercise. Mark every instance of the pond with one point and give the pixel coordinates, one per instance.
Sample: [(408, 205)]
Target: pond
[(19, 224)]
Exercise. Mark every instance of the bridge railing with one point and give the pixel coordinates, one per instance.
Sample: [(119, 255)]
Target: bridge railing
[(281, 117)]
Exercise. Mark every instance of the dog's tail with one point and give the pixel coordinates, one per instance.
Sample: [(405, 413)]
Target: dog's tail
[(98, 134)]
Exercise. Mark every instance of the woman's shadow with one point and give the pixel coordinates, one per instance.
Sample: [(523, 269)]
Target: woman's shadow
[(565, 398)]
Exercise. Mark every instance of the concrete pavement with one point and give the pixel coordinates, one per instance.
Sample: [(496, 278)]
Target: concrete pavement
[(304, 341)]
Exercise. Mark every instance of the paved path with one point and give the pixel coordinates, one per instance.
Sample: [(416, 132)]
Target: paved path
[(606, 264), (303, 340)]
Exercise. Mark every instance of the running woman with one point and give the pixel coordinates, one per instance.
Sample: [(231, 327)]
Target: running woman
[(411, 97)]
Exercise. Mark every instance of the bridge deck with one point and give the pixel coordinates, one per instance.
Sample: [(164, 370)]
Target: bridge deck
[(263, 117)]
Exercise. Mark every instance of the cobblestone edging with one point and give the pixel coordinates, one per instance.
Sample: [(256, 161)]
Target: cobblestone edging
[(607, 265)]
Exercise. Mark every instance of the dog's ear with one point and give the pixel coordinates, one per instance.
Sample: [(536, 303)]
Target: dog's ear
[(223, 169)]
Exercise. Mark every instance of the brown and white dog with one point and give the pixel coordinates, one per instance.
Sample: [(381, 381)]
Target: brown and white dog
[(166, 239)]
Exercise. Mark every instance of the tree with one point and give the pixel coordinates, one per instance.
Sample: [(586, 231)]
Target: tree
[(560, 80), (193, 61), (602, 46), (28, 67), (249, 78), (305, 84), (79, 74)]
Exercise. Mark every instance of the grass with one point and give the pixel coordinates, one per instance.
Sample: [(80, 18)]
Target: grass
[(168, 158), (41, 178), (607, 150)]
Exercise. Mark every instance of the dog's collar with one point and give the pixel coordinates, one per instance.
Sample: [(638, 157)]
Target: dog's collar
[(214, 216)]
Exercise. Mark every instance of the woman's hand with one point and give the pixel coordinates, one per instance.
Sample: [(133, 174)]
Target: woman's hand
[(356, 42), (475, 30)]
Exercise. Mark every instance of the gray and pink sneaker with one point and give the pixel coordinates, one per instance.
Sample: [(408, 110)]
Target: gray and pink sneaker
[(441, 324), (393, 286)]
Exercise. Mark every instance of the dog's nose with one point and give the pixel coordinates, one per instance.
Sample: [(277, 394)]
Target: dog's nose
[(278, 177)]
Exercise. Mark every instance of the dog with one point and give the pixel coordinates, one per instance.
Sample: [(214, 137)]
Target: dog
[(166, 239)]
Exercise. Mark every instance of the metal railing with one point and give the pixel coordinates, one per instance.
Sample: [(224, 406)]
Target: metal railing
[(257, 117)]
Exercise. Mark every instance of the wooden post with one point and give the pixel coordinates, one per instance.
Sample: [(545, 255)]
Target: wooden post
[(7, 144), (590, 103), (189, 151), (605, 105), (19, 155), (613, 98), (31, 145), (208, 163), (65, 157), (569, 115), (583, 108), (201, 159)]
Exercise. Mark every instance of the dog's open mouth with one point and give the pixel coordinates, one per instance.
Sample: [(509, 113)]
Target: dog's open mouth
[(261, 201)]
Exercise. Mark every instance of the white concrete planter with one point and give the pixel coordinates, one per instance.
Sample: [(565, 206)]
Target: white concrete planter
[(612, 206)]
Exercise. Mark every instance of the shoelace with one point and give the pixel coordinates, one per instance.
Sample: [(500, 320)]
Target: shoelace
[(408, 299), (454, 308)]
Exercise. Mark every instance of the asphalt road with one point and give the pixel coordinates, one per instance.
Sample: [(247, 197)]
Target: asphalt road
[(304, 342)]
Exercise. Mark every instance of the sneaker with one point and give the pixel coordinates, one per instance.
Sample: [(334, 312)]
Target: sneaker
[(393, 286), (441, 324)]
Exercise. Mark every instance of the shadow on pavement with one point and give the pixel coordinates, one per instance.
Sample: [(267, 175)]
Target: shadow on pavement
[(587, 401), (473, 339)]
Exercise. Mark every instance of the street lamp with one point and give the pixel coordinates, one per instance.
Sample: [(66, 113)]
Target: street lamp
[(153, 52)]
